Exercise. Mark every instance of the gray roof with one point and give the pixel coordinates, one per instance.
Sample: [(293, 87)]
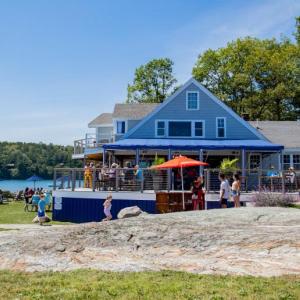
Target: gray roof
[(105, 118), (286, 133), (133, 111)]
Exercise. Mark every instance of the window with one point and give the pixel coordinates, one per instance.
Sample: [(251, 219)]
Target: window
[(160, 128), (121, 127), (254, 162), (192, 101), (286, 161), (199, 129), (180, 128), (221, 127), (296, 161)]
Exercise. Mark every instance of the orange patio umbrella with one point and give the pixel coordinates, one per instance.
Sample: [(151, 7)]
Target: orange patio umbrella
[(180, 162)]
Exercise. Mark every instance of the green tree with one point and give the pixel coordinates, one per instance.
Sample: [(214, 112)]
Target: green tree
[(21, 160), (152, 83), (254, 77)]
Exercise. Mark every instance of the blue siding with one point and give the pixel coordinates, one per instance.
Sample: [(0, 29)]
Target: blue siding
[(209, 110), (80, 210)]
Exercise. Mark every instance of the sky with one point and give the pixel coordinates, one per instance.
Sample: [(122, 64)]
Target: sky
[(62, 63)]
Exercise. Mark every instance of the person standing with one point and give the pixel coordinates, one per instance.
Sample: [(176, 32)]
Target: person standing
[(224, 190), (236, 190), (197, 194)]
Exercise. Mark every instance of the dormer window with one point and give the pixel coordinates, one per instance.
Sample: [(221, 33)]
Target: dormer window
[(192, 100), (220, 127), (121, 127)]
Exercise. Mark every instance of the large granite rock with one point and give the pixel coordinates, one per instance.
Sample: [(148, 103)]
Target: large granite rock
[(255, 241), (128, 212)]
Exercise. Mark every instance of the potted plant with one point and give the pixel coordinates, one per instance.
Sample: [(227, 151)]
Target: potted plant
[(157, 174), (229, 167)]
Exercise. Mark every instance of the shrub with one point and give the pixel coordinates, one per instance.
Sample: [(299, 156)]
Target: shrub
[(273, 199)]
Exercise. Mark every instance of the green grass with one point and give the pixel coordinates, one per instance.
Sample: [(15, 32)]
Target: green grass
[(13, 213), (90, 284)]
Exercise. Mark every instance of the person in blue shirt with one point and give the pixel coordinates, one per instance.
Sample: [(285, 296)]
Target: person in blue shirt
[(41, 216), (41, 210), (138, 173), (35, 200)]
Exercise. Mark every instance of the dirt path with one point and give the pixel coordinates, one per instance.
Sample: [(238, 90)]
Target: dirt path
[(255, 241)]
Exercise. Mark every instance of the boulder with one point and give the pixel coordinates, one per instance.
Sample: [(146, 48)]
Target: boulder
[(128, 212)]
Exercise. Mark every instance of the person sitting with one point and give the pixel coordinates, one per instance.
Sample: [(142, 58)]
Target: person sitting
[(41, 215)]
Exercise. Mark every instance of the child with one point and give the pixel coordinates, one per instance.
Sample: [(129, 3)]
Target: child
[(107, 208)]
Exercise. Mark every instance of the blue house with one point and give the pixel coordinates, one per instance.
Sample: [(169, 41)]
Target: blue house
[(192, 121)]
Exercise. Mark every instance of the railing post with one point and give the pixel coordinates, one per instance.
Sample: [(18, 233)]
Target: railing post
[(117, 180), (69, 179), (208, 180), (259, 183), (54, 180), (94, 180), (283, 182), (73, 179), (142, 181)]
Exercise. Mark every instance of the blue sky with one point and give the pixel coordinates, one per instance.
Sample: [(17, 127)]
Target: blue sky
[(64, 62)]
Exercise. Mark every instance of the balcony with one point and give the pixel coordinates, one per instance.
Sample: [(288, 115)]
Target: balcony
[(90, 143)]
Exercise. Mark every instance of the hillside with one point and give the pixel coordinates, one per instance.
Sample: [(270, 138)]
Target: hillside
[(254, 241), (21, 160)]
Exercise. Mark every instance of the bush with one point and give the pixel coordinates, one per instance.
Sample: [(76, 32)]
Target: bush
[(273, 199)]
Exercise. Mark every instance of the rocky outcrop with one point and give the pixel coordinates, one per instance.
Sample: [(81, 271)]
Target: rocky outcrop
[(255, 241), (128, 212)]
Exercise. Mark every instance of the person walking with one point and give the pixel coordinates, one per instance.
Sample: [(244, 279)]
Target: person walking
[(236, 190), (107, 207), (224, 190)]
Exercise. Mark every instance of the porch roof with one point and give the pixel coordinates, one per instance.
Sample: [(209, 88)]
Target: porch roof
[(189, 144)]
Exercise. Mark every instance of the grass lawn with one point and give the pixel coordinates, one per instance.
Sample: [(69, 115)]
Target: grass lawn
[(90, 284), (13, 213)]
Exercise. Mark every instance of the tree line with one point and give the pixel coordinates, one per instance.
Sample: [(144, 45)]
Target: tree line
[(258, 78), (22, 160)]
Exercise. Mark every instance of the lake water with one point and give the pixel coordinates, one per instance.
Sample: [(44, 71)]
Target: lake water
[(17, 185)]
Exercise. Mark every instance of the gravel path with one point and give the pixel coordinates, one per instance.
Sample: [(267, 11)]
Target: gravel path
[(254, 241)]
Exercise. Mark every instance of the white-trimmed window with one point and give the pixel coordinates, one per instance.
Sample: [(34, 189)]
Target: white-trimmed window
[(180, 128), (286, 161), (121, 127), (296, 161), (199, 128), (192, 100), (221, 127), (160, 128), (254, 163)]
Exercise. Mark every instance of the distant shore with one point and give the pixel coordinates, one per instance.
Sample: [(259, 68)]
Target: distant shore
[(14, 185)]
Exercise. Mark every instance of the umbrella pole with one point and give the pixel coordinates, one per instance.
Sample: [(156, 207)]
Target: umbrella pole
[(182, 188)]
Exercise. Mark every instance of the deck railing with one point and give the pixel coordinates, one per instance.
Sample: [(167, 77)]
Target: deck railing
[(128, 179), (91, 142)]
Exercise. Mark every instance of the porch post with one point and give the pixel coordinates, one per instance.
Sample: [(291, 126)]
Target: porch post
[(279, 161), (137, 156), (244, 168), (201, 159), (103, 157), (169, 171)]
